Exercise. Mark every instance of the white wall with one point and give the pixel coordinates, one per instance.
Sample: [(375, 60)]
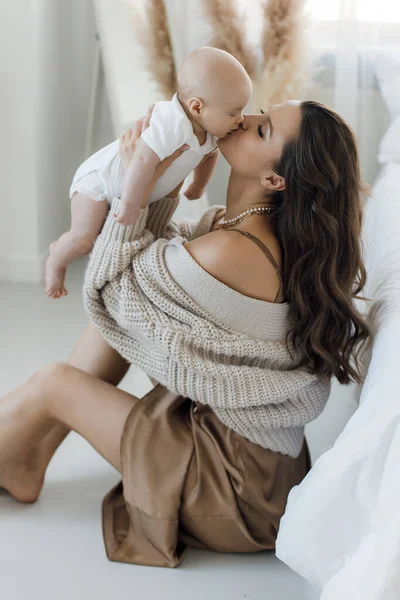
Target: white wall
[(19, 237), (46, 55), (64, 35), (47, 51)]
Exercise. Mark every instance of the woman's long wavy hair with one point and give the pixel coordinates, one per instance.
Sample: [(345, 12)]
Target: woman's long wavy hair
[(319, 223)]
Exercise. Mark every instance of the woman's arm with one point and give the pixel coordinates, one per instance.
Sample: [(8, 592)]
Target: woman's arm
[(116, 245)]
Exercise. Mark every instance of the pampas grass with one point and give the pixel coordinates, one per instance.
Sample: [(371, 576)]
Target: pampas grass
[(228, 27), (282, 68), (152, 32), (286, 60)]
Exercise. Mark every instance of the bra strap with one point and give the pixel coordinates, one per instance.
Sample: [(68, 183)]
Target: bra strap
[(266, 251)]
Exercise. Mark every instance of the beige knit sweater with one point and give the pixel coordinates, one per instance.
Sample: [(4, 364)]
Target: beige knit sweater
[(163, 312)]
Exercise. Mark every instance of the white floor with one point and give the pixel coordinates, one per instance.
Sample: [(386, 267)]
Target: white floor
[(54, 548)]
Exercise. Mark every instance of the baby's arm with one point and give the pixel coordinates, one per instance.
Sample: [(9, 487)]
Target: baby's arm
[(138, 177), (202, 175)]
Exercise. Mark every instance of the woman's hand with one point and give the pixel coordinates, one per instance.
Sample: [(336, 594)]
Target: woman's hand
[(127, 145), (129, 139)]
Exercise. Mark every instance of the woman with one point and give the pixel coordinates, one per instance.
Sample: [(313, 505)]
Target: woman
[(243, 354)]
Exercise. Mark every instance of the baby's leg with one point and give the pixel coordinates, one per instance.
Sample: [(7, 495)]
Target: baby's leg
[(87, 218)]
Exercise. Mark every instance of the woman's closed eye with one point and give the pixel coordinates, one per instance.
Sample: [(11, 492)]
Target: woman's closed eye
[(259, 127)]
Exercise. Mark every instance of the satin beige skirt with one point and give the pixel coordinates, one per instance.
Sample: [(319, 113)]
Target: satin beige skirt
[(188, 480)]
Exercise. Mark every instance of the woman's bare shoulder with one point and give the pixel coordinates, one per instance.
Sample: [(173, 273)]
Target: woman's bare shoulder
[(238, 262)]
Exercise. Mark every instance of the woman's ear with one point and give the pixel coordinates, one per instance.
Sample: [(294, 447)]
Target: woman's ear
[(196, 106), (273, 182)]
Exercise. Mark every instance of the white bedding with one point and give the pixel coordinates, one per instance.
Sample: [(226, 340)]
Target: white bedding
[(341, 529)]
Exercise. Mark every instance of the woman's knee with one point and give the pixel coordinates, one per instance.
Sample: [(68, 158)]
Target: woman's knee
[(49, 376)]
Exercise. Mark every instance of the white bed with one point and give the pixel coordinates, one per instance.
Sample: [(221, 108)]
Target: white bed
[(341, 529)]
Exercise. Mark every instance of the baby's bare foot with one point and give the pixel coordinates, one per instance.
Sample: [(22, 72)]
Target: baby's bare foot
[(23, 478), (54, 277)]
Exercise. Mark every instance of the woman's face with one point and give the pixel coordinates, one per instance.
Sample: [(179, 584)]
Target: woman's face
[(258, 143)]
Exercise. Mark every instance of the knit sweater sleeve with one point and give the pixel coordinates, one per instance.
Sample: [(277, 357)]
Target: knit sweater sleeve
[(117, 245), (159, 220), (142, 312)]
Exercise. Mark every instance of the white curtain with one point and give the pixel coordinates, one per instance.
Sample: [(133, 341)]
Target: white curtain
[(129, 89), (344, 35)]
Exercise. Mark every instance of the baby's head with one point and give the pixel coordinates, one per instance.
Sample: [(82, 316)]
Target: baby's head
[(215, 88)]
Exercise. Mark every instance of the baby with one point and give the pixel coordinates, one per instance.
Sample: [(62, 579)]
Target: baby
[(213, 89)]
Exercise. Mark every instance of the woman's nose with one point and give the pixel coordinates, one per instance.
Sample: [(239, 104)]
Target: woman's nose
[(244, 124)]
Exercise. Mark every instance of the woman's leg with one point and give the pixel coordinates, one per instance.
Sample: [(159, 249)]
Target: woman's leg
[(58, 394), (93, 355)]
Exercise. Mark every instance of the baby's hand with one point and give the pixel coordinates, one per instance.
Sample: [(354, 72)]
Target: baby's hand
[(128, 214), (194, 191)]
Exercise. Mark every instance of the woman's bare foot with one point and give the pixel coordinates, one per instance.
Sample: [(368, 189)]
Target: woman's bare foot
[(54, 277), (23, 478)]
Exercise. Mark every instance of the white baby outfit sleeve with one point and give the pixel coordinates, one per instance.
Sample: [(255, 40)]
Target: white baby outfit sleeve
[(169, 128), (102, 175)]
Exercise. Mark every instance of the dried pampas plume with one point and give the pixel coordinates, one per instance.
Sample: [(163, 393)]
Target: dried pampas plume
[(228, 28), (285, 60), (153, 34), (285, 70)]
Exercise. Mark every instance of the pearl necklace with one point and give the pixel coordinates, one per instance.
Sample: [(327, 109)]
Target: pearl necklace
[(258, 210)]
